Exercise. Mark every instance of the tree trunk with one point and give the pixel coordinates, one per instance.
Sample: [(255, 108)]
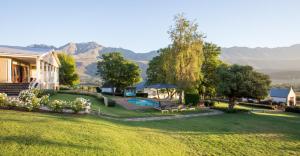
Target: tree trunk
[(180, 97), (157, 92), (231, 103)]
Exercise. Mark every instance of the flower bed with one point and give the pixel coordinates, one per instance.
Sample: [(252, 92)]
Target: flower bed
[(34, 100)]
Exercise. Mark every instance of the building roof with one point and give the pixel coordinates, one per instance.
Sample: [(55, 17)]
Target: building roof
[(20, 51), (279, 92), (143, 85), (161, 86)]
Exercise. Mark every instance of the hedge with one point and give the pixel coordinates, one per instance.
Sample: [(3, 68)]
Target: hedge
[(295, 109), (256, 105), (191, 99), (144, 95)]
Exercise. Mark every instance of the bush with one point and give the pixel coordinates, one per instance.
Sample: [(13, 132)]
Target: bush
[(98, 89), (209, 103), (44, 100), (29, 99), (57, 105), (3, 99), (256, 105), (144, 95), (191, 99), (108, 102), (295, 109), (13, 103), (49, 92), (80, 104)]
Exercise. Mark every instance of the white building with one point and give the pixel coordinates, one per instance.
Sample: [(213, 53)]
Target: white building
[(23, 67), (283, 95)]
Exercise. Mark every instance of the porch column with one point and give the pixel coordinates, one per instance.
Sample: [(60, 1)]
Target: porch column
[(38, 69), (42, 72), (9, 70), (47, 75)]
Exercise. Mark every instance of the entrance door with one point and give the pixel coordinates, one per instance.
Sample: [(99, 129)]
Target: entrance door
[(19, 74), (291, 101)]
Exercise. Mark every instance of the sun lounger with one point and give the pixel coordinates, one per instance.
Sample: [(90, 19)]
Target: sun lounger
[(174, 110), (164, 111), (192, 108)]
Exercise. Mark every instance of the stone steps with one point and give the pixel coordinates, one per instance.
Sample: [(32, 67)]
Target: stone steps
[(13, 89)]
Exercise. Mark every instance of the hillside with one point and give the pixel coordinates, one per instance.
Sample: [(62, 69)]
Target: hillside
[(281, 63)]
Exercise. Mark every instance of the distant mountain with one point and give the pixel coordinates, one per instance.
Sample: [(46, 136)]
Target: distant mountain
[(282, 63)]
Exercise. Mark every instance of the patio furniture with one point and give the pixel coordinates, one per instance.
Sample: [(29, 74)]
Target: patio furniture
[(164, 111)]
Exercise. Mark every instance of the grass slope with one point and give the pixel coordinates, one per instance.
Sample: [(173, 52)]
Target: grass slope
[(26, 133)]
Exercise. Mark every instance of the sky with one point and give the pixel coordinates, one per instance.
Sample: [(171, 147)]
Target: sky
[(142, 25)]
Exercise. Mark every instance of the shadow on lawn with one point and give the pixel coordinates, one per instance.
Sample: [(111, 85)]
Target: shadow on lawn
[(239, 123), (35, 140)]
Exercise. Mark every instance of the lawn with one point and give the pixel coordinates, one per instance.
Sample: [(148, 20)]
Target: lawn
[(29, 133), (116, 111)]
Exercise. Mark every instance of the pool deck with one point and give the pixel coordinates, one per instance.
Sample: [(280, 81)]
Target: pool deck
[(122, 101)]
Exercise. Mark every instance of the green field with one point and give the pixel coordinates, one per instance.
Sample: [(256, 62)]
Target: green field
[(28, 133)]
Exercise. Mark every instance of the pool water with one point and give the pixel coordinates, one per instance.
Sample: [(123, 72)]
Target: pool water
[(143, 102)]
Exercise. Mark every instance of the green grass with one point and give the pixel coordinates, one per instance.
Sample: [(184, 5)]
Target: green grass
[(28, 133), (116, 111)]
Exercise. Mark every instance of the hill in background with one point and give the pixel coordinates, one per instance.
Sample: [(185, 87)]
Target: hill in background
[(281, 63)]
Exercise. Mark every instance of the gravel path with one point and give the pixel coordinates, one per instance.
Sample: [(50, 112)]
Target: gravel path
[(157, 118)]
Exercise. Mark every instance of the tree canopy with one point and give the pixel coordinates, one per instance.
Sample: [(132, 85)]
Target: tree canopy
[(67, 70), (117, 71), (186, 53), (236, 81), (208, 83)]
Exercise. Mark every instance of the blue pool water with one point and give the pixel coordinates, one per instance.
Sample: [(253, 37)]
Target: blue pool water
[(143, 102)]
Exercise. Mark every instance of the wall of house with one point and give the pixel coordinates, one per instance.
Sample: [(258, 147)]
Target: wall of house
[(5, 69), (107, 90), (292, 95), (278, 99)]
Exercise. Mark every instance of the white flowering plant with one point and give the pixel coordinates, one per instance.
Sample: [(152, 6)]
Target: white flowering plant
[(80, 104), (57, 105), (3, 99)]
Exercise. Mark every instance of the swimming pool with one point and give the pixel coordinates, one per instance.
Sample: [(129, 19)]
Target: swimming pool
[(143, 102)]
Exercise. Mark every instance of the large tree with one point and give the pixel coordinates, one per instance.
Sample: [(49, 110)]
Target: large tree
[(208, 83), (117, 71), (67, 70), (236, 81), (186, 54)]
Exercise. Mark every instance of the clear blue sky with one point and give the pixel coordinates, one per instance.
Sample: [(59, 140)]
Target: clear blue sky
[(142, 25)]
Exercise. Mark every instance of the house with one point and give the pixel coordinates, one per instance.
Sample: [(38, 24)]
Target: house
[(23, 69), (108, 88), (283, 95)]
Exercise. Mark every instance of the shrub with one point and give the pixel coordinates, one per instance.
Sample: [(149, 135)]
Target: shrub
[(144, 95), (191, 99), (295, 109), (256, 105), (29, 99), (108, 102), (12, 103), (80, 104), (3, 99), (98, 89), (57, 105), (49, 92), (209, 103), (44, 100)]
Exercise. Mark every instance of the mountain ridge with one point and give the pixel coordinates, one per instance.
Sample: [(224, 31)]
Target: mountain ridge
[(268, 60)]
